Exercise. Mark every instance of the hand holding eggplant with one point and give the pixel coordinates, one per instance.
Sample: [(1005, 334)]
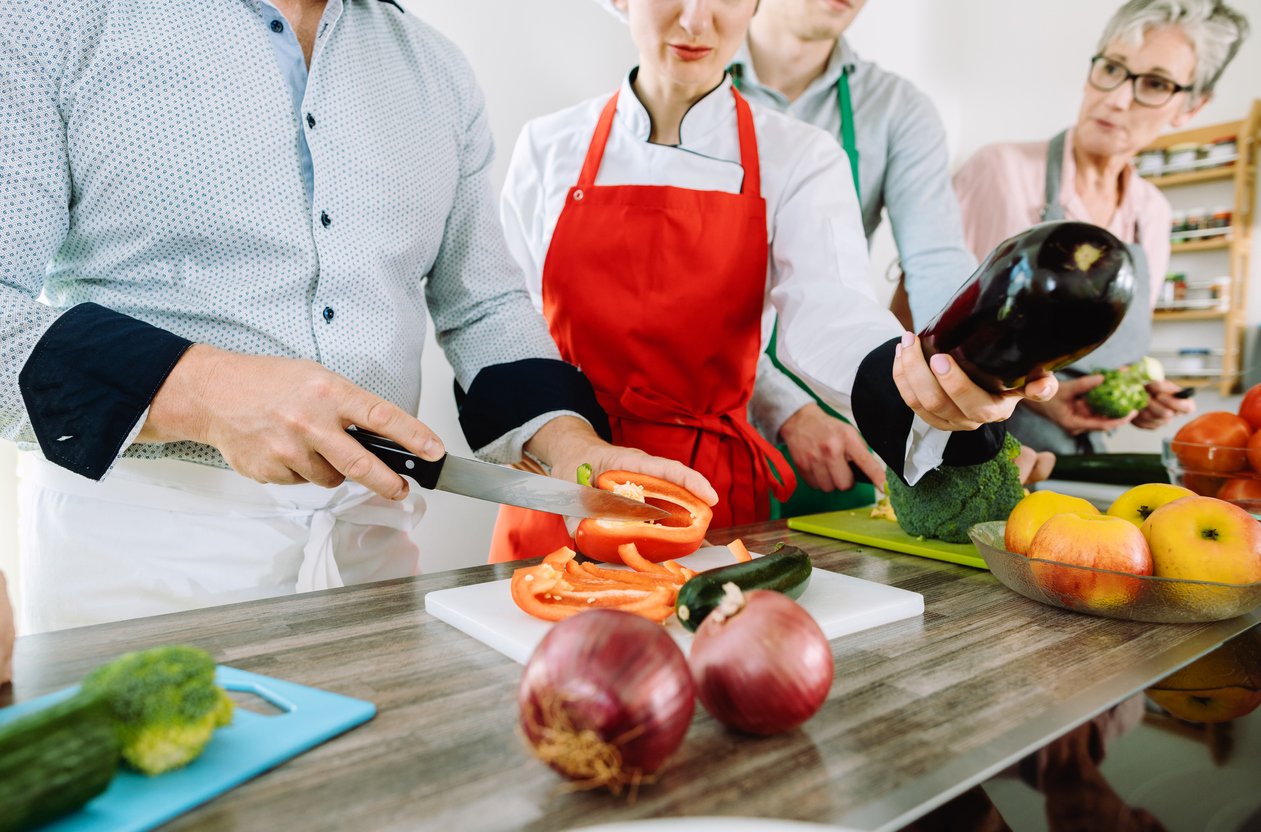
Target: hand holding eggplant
[(943, 395)]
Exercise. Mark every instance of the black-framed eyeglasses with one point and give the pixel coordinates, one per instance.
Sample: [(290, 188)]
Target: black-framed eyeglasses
[(1150, 90)]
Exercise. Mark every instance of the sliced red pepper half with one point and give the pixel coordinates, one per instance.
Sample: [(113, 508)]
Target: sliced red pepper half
[(679, 534)]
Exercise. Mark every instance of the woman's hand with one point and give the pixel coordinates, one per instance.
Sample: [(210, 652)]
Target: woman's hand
[(1163, 406), (823, 447), (1034, 466), (1069, 410), (943, 396), (567, 442), (283, 420)]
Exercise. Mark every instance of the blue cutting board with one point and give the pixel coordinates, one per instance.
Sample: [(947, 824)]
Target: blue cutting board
[(252, 744)]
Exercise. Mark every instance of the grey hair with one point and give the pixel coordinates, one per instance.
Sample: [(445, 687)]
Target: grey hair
[(1215, 30)]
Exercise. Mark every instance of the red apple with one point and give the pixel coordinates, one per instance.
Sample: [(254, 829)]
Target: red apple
[(1204, 539), (1034, 510), (1097, 541)]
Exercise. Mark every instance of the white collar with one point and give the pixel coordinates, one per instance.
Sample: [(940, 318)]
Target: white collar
[(716, 109)]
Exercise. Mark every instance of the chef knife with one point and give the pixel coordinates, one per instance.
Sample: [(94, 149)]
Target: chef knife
[(500, 484)]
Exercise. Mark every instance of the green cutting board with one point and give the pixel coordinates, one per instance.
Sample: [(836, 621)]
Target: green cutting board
[(858, 526)]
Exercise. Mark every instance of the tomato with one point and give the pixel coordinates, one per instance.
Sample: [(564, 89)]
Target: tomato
[(1250, 407), (1206, 485), (1214, 443), (1254, 451), (671, 537), (1241, 488)]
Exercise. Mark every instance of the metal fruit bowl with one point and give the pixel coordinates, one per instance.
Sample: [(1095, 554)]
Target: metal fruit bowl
[(1111, 594)]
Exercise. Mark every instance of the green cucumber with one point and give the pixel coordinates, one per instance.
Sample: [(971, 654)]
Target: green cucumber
[(785, 570), (1111, 469), (55, 760)]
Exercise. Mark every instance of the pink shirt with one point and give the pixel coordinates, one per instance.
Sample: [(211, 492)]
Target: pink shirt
[(1002, 191)]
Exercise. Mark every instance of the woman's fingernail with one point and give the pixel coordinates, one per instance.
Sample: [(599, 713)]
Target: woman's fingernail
[(940, 364), (432, 450), (897, 350), (907, 339)]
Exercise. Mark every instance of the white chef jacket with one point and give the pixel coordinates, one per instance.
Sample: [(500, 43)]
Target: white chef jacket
[(816, 277)]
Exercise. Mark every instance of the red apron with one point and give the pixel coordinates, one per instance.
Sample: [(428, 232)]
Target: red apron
[(657, 294)]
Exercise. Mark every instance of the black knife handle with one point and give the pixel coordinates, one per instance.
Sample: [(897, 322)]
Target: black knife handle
[(400, 460)]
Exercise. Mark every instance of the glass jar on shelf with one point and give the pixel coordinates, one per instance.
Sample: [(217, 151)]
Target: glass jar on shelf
[(1222, 151), (1181, 157)]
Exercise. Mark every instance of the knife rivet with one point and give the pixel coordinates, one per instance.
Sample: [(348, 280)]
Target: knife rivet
[(410, 465)]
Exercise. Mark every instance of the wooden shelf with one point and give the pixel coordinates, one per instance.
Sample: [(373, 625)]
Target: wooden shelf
[(1194, 381), (1190, 177), (1240, 177), (1188, 314), (1211, 244)]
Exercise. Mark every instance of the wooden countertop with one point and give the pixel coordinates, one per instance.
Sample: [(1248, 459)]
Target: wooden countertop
[(920, 711)]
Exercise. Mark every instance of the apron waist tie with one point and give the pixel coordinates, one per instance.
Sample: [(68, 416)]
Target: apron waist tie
[(649, 406)]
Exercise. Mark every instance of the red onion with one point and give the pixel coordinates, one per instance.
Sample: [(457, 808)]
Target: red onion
[(761, 663), (606, 698)]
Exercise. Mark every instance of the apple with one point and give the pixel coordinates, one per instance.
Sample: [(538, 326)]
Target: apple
[(1218, 687), (1097, 541), (1034, 510), (1204, 539), (1140, 501)]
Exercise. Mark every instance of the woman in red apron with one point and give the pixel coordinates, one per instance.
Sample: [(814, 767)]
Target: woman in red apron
[(662, 266)]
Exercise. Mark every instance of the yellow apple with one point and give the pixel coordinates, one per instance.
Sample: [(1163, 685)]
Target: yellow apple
[(1097, 541), (1219, 687), (1137, 504), (1204, 539), (1034, 510)]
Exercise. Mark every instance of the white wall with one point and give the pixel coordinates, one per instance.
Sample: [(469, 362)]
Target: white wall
[(997, 70)]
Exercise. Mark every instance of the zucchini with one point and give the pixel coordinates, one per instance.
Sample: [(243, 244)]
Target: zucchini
[(785, 570), (55, 760), (1111, 469)]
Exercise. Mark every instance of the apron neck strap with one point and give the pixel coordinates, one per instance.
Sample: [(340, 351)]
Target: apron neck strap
[(846, 107), (744, 124), (595, 151)]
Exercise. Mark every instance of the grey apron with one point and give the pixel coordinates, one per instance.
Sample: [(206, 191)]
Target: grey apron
[(1125, 346)]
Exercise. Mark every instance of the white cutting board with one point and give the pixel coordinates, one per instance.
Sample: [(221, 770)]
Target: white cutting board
[(840, 604)]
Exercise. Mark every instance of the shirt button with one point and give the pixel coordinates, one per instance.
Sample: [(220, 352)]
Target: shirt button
[(277, 26), (325, 219), (328, 314), (310, 120)]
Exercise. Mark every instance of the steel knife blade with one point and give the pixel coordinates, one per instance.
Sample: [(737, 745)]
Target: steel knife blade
[(500, 484)]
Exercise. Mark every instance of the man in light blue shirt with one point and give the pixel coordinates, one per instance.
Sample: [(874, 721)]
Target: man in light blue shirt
[(238, 214), (797, 61)]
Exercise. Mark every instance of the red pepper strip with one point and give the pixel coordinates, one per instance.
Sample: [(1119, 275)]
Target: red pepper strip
[(624, 577), (738, 549), (621, 599), (524, 597), (629, 553), (674, 568), (560, 557), (677, 535), (657, 598)]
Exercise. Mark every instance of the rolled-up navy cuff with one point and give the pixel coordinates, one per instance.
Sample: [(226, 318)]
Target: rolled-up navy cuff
[(882, 417), (89, 379), (503, 397)]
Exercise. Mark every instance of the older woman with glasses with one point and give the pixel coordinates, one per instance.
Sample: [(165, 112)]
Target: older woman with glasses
[(1155, 66)]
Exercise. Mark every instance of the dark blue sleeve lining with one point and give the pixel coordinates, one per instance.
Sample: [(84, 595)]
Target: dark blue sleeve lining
[(89, 379), (503, 397), (884, 419)]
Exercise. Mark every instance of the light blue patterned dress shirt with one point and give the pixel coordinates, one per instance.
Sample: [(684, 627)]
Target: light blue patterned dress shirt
[(168, 161)]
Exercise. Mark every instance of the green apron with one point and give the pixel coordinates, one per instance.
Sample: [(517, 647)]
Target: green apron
[(805, 499)]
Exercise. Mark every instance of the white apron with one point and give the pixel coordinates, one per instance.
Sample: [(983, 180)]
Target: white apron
[(159, 536)]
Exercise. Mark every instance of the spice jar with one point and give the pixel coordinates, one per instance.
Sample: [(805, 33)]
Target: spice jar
[(1179, 282), (1222, 151), (1179, 157), (1220, 220), (1150, 163)]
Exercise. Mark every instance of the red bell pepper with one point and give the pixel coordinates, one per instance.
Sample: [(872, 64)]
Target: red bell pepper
[(679, 534)]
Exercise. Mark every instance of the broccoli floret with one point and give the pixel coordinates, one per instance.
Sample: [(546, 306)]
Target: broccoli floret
[(947, 501), (165, 703), (1124, 390)]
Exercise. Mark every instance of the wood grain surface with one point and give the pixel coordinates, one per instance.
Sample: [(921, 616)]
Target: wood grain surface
[(920, 710)]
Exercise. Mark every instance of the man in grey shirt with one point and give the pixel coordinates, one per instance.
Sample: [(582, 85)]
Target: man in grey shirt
[(797, 61)]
